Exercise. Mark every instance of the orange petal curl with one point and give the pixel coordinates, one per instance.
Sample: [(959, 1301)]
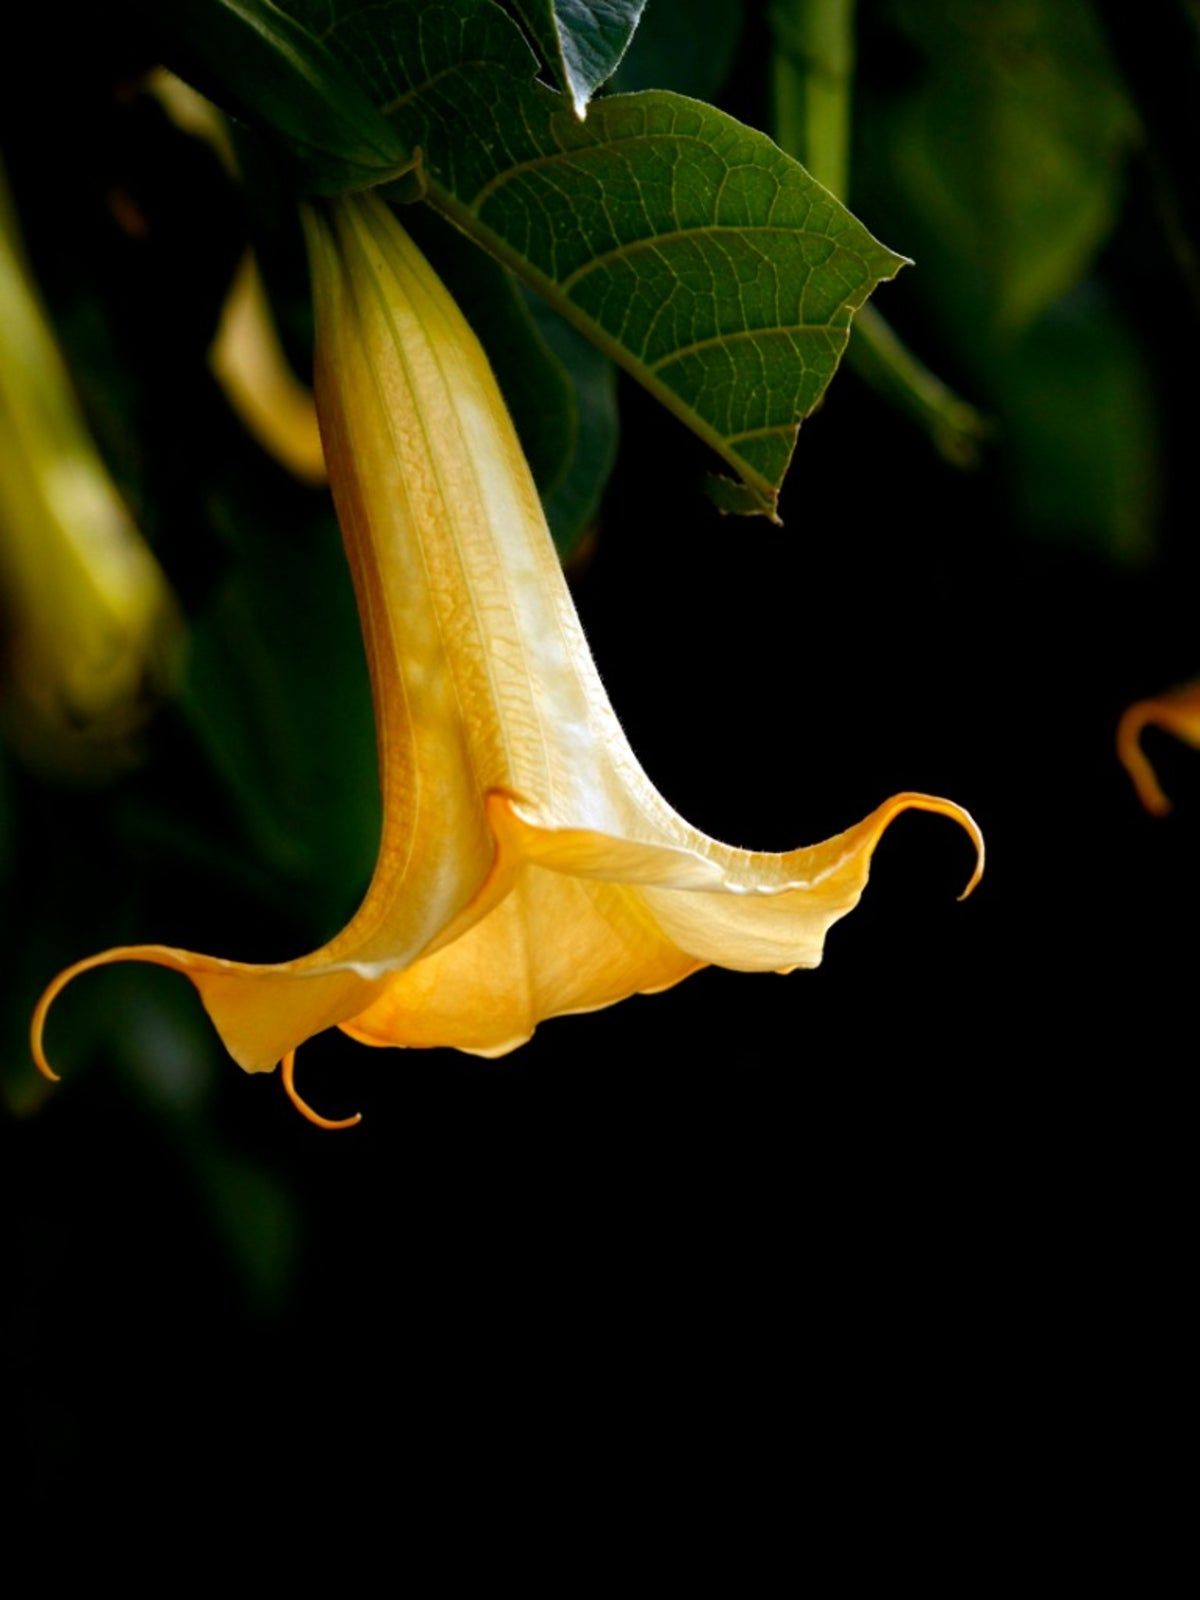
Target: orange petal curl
[(1177, 712)]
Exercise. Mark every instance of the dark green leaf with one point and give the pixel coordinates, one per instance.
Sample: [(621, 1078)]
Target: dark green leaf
[(687, 247), (282, 707), (582, 41)]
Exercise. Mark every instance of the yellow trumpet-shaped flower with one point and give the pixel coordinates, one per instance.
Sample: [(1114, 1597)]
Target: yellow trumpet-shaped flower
[(528, 868), (1178, 712), (87, 620)]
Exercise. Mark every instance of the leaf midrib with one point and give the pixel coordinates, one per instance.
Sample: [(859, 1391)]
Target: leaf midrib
[(467, 221)]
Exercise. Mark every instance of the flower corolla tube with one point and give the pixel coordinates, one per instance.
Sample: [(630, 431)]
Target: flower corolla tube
[(528, 868)]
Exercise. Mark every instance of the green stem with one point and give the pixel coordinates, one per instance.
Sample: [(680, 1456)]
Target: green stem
[(883, 360), (812, 75), (812, 83)]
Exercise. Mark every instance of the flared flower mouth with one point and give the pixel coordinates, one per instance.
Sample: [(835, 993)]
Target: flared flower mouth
[(528, 868)]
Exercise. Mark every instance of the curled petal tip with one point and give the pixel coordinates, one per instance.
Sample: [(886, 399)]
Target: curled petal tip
[(1133, 758), (37, 1026), (941, 808), (967, 821), (39, 1056), (154, 954), (287, 1069), (1176, 712)]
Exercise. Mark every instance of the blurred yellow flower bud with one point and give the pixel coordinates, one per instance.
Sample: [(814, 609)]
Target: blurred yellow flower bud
[(87, 621)]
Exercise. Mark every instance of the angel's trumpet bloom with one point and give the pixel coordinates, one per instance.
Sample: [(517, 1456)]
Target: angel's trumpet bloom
[(1177, 712), (88, 621), (528, 867)]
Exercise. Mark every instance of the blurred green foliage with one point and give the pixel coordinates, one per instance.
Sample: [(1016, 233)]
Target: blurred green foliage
[(812, 86), (689, 49), (1007, 149), (994, 151)]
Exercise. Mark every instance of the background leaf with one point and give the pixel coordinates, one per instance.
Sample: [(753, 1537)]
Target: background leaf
[(280, 707), (1005, 150), (1080, 434), (581, 40), (994, 143), (689, 48)]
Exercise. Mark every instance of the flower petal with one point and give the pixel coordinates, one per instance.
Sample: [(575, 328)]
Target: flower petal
[(248, 361), (1177, 712)]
